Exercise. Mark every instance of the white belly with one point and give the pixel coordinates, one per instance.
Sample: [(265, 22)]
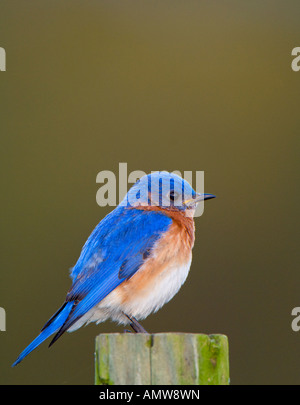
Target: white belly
[(153, 296), (161, 290)]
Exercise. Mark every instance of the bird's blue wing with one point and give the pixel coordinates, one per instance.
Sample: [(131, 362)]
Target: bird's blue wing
[(115, 250)]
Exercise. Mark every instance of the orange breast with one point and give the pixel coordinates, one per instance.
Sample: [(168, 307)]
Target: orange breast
[(172, 251)]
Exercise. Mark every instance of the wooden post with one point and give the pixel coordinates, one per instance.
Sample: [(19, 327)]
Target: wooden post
[(161, 359)]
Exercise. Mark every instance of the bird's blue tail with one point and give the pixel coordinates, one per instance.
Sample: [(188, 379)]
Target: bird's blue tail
[(54, 323)]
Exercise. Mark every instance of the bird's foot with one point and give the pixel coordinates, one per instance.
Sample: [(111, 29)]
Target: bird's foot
[(136, 326)]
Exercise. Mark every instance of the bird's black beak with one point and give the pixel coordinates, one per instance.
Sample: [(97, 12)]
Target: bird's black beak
[(199, 197), (202, 197), (206, 196)]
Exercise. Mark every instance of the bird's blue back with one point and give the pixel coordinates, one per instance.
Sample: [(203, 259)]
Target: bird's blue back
[(113, 253), (115, 250)]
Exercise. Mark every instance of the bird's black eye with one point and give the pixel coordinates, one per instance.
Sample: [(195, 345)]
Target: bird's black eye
[(173, 195)]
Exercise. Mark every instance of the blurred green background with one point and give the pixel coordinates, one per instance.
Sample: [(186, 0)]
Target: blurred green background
[(161, 85)]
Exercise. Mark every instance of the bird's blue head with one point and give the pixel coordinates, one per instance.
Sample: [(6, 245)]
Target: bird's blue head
[(165, 190)]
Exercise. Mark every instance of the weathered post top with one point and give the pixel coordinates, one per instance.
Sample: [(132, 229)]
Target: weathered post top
[(161, 359)]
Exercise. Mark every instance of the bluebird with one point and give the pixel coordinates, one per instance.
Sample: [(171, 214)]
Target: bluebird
[(134, 261)]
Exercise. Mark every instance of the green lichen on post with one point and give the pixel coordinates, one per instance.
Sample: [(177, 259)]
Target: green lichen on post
[(161, 359), (149, 342), (213, 359), (102, 361)]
